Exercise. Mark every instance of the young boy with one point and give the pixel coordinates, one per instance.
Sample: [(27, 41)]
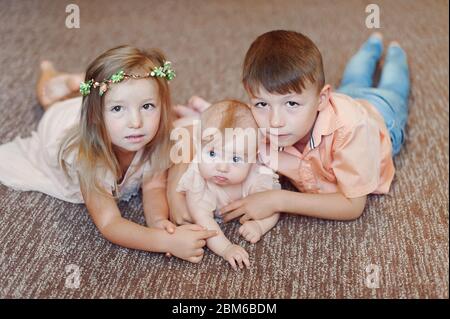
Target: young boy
[(335, 148)]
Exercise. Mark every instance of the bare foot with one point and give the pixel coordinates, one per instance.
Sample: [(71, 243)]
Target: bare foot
[(54, 86), (251, 231), (184, 111), (378, 35), (198, 104)]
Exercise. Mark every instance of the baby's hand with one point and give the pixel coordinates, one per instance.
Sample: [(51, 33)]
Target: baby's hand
[(251, 230), (234, 253)]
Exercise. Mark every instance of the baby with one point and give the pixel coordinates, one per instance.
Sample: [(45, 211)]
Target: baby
[(224, 170)]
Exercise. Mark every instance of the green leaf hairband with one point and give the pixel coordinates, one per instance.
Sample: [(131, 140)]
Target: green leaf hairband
[(164, 71)]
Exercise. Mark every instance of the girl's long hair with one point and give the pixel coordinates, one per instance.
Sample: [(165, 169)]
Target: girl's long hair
[(90, 140)]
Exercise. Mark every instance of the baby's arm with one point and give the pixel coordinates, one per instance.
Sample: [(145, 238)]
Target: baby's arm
[(218, 244)]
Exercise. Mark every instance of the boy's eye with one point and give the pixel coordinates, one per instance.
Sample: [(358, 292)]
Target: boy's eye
[(212, 154), (292, 104), (148, 106), (237, 159), (261, 104), (116, 108)]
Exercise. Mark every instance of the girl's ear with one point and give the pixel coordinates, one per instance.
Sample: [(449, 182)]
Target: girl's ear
[(324, 96)]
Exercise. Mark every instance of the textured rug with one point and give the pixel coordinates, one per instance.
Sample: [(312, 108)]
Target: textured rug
[(402, 238)]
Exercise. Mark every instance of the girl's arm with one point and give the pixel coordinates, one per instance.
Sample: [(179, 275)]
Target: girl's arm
[(327, 206), (186, 242), (154, 201), (179, 213)]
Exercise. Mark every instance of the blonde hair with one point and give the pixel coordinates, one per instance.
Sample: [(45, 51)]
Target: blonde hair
[(90, 139), (228, 114)]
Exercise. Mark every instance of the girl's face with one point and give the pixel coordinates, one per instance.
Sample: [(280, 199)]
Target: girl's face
[(227, 164), (132, 112), (290, 117)]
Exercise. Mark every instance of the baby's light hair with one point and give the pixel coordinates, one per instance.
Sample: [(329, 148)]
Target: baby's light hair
[(90, 139), (228, 114)]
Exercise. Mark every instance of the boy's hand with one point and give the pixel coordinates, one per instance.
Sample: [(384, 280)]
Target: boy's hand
[(188, 240), (236, 254), (255, 206)]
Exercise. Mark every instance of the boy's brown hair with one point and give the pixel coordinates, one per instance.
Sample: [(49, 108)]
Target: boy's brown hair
[(282, 62)]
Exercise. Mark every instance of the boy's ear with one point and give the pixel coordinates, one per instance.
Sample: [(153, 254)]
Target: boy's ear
[(324, 96)]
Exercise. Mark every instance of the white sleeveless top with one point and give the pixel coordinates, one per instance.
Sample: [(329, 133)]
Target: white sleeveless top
[(31, 164)]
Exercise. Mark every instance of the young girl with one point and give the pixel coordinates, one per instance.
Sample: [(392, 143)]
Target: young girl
[(335, 147), (224, 170), (104, 147)]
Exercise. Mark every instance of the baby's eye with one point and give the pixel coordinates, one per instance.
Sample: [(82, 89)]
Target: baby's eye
[(116, 108), (261, 104), (237, 159), (292, 104), (148, 106), (212, 154)]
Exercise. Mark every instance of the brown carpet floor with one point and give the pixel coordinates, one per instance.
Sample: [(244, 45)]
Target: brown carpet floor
[(404, 233)]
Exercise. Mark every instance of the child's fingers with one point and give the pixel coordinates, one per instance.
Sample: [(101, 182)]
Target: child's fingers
[(234, 214), (199, 252), (194, 227), (239, 260), (205, 234), (200, 243), (230, 207), (195, 259), (170, 228), (247, 262), (244, 218), (184, 111), (232, 263)]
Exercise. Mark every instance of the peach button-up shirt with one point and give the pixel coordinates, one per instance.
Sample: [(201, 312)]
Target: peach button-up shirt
[(349, 151)]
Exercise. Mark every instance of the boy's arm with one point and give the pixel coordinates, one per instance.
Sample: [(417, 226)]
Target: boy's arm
[(327, 206)]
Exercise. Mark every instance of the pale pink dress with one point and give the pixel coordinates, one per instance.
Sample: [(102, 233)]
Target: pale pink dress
[(31, 164), (210, 197)]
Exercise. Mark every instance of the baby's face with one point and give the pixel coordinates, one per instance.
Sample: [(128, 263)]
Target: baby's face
[(132, 112), (286, 118), (227, 164)]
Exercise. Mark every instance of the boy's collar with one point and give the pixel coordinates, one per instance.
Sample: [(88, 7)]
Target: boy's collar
[(326, 123)]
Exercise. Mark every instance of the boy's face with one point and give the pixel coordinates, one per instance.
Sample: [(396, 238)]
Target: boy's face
[(287, 119)]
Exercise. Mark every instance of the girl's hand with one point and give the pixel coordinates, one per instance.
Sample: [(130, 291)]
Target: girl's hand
[(164, 224), (255, 206), (188, 240), (236, 254)]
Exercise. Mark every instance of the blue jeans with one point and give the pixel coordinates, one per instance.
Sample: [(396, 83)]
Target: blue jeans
[(390, 97)]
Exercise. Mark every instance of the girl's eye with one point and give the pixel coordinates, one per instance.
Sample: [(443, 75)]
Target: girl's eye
[(292, 104), (116, 108), (237, 159), (212, 154), (148, 106), (261, 104)]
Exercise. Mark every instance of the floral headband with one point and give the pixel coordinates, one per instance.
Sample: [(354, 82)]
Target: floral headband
[(164, 71)]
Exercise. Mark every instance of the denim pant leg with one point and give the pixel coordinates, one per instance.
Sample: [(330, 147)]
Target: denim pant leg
[(361, 67), (390, 97)]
